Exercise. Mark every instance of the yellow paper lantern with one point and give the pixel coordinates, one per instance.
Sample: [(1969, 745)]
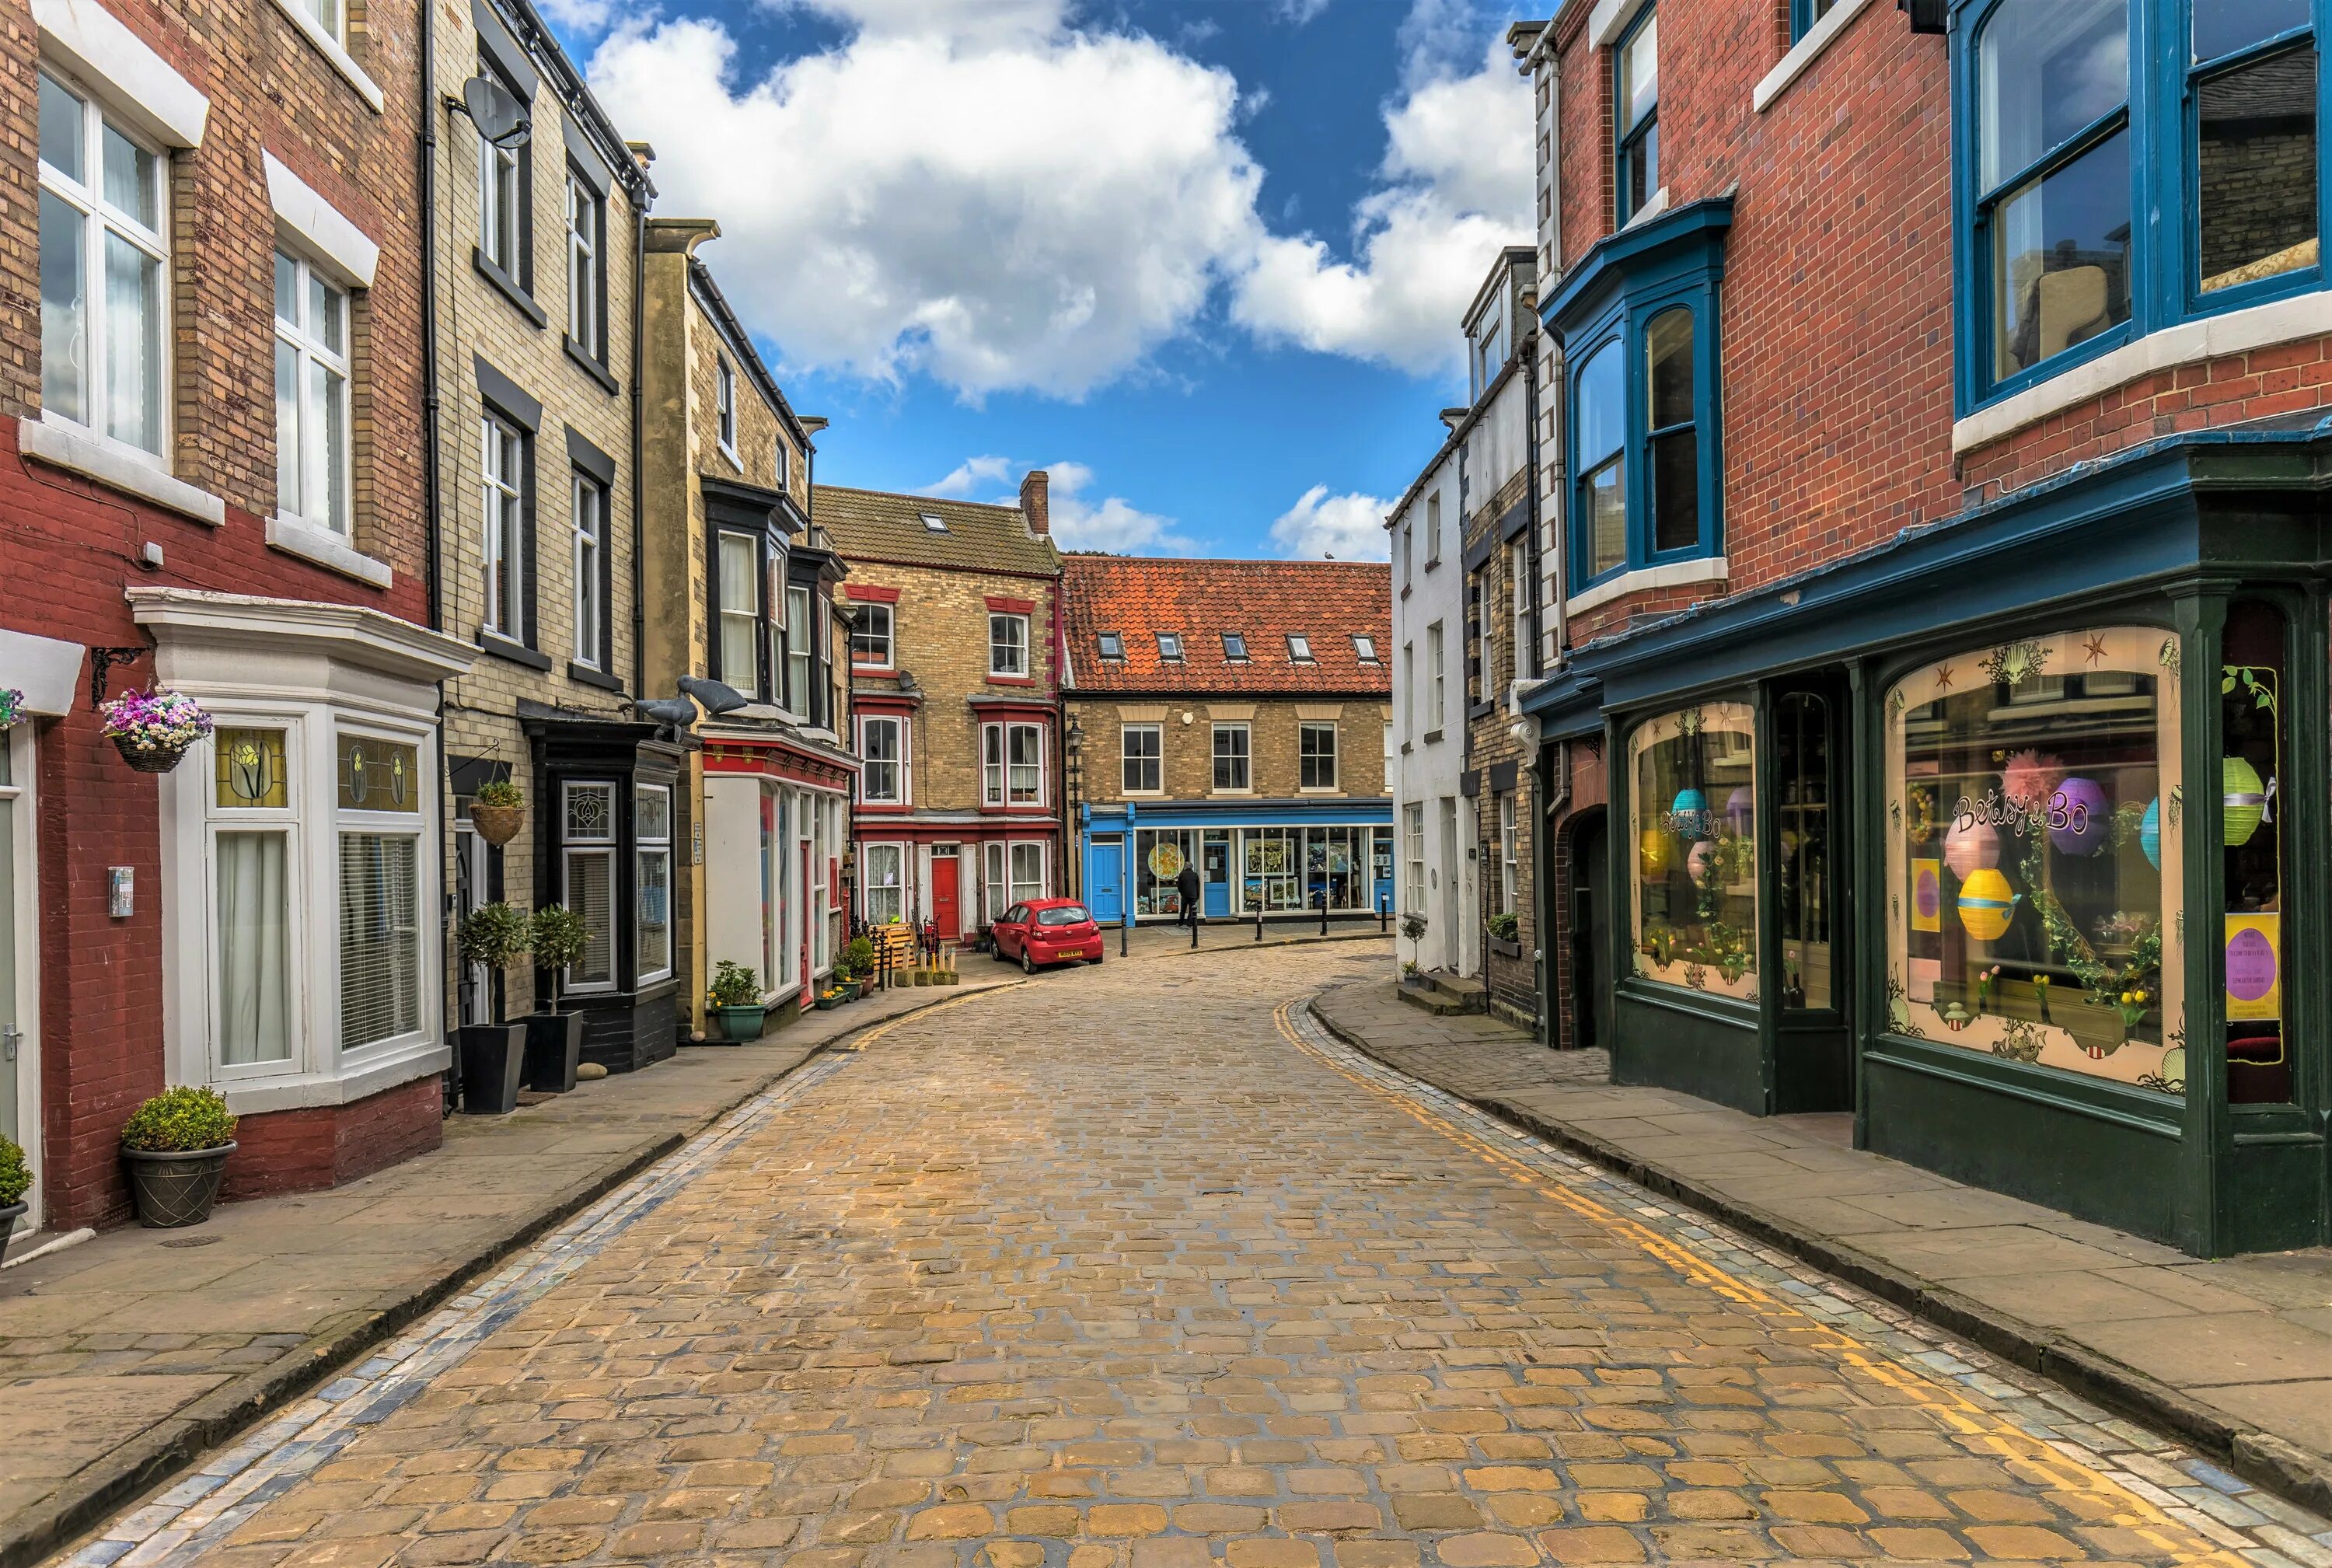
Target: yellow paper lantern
[(1657, 853), (1986, 905), (2245, 802)]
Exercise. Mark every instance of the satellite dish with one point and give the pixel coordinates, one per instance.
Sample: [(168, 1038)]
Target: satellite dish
[(496, 111), (713, 696)]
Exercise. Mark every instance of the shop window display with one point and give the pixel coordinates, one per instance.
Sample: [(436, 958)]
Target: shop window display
[(2034, 801), (1695, 832)]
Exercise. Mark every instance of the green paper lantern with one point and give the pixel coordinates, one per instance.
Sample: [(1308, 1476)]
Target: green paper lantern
[(2245, 801)]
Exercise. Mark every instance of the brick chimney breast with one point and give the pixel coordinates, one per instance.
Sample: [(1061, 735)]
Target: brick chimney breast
[(1034, 489)]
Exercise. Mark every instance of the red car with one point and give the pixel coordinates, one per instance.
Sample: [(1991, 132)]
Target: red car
[(1046, 931)]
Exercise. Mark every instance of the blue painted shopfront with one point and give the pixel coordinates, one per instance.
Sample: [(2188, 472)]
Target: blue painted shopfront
[(1284, 856)]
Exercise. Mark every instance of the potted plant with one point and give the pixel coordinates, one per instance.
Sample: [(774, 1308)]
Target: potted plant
[(153, 729), (858, 953), (497, 811), (12, 709), (554, 1040), (1413, 926), (493, 1055), (829, 999), (735, 999), (15, 1180), (176, 1146)]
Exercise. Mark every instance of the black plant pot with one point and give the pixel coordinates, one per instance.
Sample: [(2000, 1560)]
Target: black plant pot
[(173, 1189), (493, 1057), (8, 1218), (554, 1045)]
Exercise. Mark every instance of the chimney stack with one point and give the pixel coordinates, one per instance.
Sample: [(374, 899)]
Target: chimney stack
[(1033, 501)]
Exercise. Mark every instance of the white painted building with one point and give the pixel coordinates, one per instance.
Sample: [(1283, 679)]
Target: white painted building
[(1433, 821)]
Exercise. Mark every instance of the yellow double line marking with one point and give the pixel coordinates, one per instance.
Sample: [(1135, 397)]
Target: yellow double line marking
[(2026, 1455)]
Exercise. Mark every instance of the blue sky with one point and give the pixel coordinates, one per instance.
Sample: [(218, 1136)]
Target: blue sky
[(1203, 259)]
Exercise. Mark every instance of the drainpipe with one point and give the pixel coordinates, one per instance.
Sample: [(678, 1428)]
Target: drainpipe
[(1531, 551), (639, 442), (433, 503)]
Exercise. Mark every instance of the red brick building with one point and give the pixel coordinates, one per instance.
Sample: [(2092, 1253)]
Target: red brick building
[(1932, 727), (212, 474)]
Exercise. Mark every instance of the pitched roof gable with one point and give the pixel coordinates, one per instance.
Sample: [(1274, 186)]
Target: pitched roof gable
[(880, 525), (1328, 603)]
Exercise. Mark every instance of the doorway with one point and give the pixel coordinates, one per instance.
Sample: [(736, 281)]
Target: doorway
[(1453, 898), (1812, 1048), (471, 880), (1590, 927), (944, 901), (20, 1077), (1215, 867)]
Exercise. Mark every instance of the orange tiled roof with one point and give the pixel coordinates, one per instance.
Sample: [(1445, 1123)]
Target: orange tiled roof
[(1327, 602)]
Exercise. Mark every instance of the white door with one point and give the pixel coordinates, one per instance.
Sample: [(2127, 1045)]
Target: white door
[(470, 892), (20, 1066), (1453, 897)]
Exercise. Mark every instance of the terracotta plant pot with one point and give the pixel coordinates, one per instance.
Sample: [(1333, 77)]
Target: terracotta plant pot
[(175, 1188), (149, 759), (497, 824)]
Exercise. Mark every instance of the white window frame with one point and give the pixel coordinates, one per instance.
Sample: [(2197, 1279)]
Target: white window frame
[(868, 887), (995, 889), (588, 518), (20, 790), (502, 490), (1170, 647), (647, 847), (901, 795), (998, 771), (1012, 871), (782, 466), (309, 438), (347, 821), (1013, 644), (724, 408), (586, 221), (1409, 689), (1305, 729), (1413, 833), (1437, 658), (750, 612), (1246, 758), (869, 612), (1507, 902), (1125, 733), (1299, 648), (302, 795), (574, 849), (502, 216), (101, 220), (801, 657), (1364, 647)]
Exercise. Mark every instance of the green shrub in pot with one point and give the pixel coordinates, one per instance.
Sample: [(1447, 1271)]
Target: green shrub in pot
[(15, 1176), (176, 1146), (180, 1121)]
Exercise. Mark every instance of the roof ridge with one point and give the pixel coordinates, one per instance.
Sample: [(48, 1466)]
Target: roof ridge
[(1011, 507), (1086, 556)]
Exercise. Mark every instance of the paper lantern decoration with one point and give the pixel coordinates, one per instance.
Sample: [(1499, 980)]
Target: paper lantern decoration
[(1986, 905), (2089, 819), (1655, 851), (1970, 849), (2246, 800), (1741, 809), (1690, 812), (1696, 860), (2150, 833)]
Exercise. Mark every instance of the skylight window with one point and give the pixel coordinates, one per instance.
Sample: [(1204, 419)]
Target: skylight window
[(1112, 645), (1170, 646), (1299, 647), (1235, 646), (1366, 648), (933, 523)]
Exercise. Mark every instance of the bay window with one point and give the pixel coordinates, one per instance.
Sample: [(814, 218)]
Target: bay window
[(588, 879), (882, 890), (737, 562), (652, 828), (882, 751), (379, 818), (800, 629), (2083, 117), (1693, 821), (1027, 873), (311, 396), (251, 855), (1012, 764), (104, 243)]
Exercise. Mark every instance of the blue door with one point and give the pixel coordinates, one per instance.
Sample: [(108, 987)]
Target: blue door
[(1216, 867), (1105, 878)]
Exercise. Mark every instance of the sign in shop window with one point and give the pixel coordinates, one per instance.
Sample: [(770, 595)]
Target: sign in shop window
[(1694, 830), (2033, 803)]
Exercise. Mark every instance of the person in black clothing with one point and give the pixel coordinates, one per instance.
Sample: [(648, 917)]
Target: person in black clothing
[(1186, 884)]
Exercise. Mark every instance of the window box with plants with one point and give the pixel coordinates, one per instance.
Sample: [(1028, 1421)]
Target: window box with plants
[(492, 1056), (497, 811), (15, 1180), (734, 1000), (1505, 934), (554, 1040), (176, 1146)]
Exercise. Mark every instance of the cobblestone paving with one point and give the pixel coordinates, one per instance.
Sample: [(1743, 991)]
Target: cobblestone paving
[(1132, 1269)]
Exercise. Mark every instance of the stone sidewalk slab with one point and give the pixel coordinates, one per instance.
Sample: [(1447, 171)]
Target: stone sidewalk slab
[(124, 1358), (2233, 1355)]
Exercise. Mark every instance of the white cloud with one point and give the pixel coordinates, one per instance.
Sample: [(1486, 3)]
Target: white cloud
[(1005, 207), (1346, 527), (1457, 176), (584, 16), (968, 476), (1078, 522), (975, 19)]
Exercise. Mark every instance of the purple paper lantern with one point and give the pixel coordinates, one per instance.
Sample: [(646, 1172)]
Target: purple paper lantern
[(1741, 809), (2088, 818), (1970, 849)]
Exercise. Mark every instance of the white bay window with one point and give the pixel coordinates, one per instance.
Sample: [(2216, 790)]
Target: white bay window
[(653, 829)]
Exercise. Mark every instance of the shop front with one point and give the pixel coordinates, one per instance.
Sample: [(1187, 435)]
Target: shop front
[(2015, 865), (1286, 865)]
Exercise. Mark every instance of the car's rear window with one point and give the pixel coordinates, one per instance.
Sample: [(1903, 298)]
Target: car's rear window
[(1067, 914)]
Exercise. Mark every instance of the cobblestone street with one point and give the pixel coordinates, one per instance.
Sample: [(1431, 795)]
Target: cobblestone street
[(1134, 1267)]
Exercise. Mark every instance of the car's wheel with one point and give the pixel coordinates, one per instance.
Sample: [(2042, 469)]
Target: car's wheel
[(996, 951), (1096, 957), (1027, 964)]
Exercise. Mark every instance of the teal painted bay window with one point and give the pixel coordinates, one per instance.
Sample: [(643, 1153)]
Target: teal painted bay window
[(2123, 166)]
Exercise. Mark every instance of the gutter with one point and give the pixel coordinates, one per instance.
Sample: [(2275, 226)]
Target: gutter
[(639, 440)]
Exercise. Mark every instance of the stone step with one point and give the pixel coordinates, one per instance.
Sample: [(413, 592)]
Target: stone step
[(1463, 991), (1433, 1001)]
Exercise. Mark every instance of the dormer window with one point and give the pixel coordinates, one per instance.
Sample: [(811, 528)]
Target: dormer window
[(934, 524), (1299, 647), (1170, 647), (1235, 646), (1365, 649), (1112, 645)]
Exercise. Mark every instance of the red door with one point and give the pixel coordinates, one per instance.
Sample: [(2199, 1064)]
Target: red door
[(943, 870)]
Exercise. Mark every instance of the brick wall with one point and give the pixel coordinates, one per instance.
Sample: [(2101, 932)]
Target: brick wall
[(1585, 808), (300, 1150), (1187, 750)]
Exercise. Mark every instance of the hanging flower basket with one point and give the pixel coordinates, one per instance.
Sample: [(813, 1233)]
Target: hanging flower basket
[(12, 706), (497, 812), (154, 729)]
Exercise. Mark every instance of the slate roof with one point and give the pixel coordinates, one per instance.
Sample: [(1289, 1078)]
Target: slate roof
[(877, 525), (1327, 602)]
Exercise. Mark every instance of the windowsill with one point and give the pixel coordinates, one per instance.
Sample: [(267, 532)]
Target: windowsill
[(294, 536), (1317, 790), (1012, 680), (1804, 53), (1481, 710), (1248, 794), (1407, 747), (511, 289), (1142, 794), (331, 49), (63, 444), (585, 357), (2187, 343), (1673, 574), (1433, 563), (501, 648), (729, 454), (1657, 204), (1433, 737), (590, 675), (374, 1069), (1406, 590)]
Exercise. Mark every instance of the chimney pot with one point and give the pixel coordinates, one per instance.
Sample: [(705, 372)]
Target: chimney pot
[(1034, 489)]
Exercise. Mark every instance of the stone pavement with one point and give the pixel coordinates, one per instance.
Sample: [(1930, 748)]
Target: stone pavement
[(122, 1358), (1128, 1268), (2234, 1355), (1225, 936)]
